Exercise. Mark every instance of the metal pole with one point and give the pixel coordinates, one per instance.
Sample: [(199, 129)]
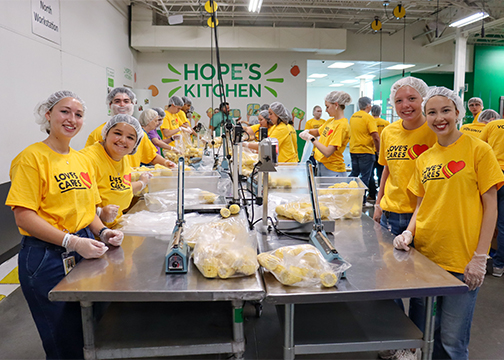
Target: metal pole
[(265, 198), (88, 330), (289, 352), (430, 322), (238, 333)]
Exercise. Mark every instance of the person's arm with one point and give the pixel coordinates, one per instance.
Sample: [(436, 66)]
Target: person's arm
[(163, 144), (252, 145), (168, 133), (158, 159), (376, 140), (402, 241), (377, 208), (325, 150)]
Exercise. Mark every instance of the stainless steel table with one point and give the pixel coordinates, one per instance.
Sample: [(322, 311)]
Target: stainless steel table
[(148, 315), (358, 314)]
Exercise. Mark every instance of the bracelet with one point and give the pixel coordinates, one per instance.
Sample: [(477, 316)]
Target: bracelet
[(171, 138), (66, 239), (102, 230)]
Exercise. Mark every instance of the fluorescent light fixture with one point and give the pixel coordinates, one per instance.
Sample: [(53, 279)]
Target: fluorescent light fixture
[(317, 76), (340, 65), (175, 19), (255, 5), (469, 19), (336, 85), (366, 77), (310, 80), (400, 67), (349, 81)]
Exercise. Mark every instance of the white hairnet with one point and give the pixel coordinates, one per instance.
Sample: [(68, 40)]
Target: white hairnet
[(160, 112), (447, 93), (413, 82), (339, 97), (175, 101), (265, 114), (147, 116), (281, 111), (264, 107), (475, 100), (187, 100), (46, 105), (488, 115), (121, 90), (128, 119)]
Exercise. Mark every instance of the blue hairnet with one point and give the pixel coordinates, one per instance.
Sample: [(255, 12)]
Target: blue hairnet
[(175, 101), (44, 106), (128, 119), (447, 93), (281, 111), (121, 90)]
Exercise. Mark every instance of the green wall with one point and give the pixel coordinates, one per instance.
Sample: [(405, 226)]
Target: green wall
[(489, 75)]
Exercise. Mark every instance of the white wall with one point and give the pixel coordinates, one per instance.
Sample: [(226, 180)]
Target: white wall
[(316, 96), (94, 36)]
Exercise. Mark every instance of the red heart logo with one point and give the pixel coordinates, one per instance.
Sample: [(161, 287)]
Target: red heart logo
[(127, 179), (416, 150), (455, 166), (86, 179), (330, 132)]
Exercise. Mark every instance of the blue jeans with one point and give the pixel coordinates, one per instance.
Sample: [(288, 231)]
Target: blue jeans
[(59, 323), (498, 258), (362, 164), (454, 315), (323, 171), (395, 222)]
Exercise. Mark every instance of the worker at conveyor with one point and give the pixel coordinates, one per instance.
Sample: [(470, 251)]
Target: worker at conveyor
[(121, 100), (149, 119), (54, 195), (333, 135), (122, 135), (174, 123), (456, 183)]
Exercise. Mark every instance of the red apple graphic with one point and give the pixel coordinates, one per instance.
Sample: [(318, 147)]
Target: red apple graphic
[(295, 70)]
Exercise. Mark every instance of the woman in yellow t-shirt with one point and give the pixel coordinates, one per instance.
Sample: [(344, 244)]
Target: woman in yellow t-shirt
[(172, 123), (122, 135), (253, 131), (455, 183), (283, 132), (334, 135), (53, 195), (401, 143)]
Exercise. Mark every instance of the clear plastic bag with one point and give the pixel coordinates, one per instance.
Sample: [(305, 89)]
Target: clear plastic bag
[(166, 200), (302, 265), (224, 248), (301, 211), (148, 223)]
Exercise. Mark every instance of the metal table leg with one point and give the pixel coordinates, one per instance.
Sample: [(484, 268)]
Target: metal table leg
[(289, 353), (88, 330), (430, 322), (238, 332)]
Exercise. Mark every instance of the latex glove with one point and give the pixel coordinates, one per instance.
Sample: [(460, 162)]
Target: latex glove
[(109, 213), (176, 136), (170, 164), (377, 213), (145, 177), (306, 136), (185, 129), (402, 241), (475, 271), (112, 237), (87, 248)]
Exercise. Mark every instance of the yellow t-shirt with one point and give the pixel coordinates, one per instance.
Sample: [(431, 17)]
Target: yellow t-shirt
[(473, 129), (493, 134), (61, 189), (286, 147), (171, 122), (399, 149), (183, 117), (451, 180), (362, 125), (314, 123), (113, 179), (146, 151), (476, 117), (336, 133), (380, 125), (255, 129), (294, 137)]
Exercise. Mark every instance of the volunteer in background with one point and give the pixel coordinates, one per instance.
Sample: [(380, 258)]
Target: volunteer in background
[(219, 118), (122, 135), (120, 101), (401, 143), (493, 134), (456, 183), (253, 131), (380, 125), (475, 105), (316, 121), (173, 121), (53, 195), (150, 120), (334, 136), (484, 118)]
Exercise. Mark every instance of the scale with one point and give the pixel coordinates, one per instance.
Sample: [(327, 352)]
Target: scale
[(177, 254)]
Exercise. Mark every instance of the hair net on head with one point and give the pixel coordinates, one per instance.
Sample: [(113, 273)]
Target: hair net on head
[(340, 97), (364, 102), (46, 105), (264, 107), (265, 114), (447, 93), (488, 115), (475, 100), (175, 101), (281, 111), (160, 112), (417, 84), (121, 90), (187, 100), (376, 110), (128, 119), (147, 116)]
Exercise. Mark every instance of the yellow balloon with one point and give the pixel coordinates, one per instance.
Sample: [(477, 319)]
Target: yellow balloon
[(399, 11), (208, 7), (211, 23), (376, 25)]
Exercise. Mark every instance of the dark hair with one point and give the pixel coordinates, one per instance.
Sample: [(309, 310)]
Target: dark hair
[(223, 105)]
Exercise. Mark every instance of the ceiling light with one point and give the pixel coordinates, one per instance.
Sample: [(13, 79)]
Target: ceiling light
[(349, 81), (317, 76), (310, 80), (400, 67), (340, 65), (255, 5), (366, 77), (336, 85), (469, 19)]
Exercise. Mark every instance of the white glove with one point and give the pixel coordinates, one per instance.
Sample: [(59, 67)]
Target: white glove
[(187, 130), (109, 213), (176, 136), (170, 164), (475, 271), (145, 177), (402, 241), (112, 237), (306, 136), (87, 248)]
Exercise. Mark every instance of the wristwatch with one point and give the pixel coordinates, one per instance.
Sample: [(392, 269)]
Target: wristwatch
[(313, 139)]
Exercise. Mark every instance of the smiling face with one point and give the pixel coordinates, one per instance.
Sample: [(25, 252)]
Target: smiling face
[(475, 108), (66, 118), (331, 108), (441, 114), (408, 104), (120, 141), (121, 104)]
